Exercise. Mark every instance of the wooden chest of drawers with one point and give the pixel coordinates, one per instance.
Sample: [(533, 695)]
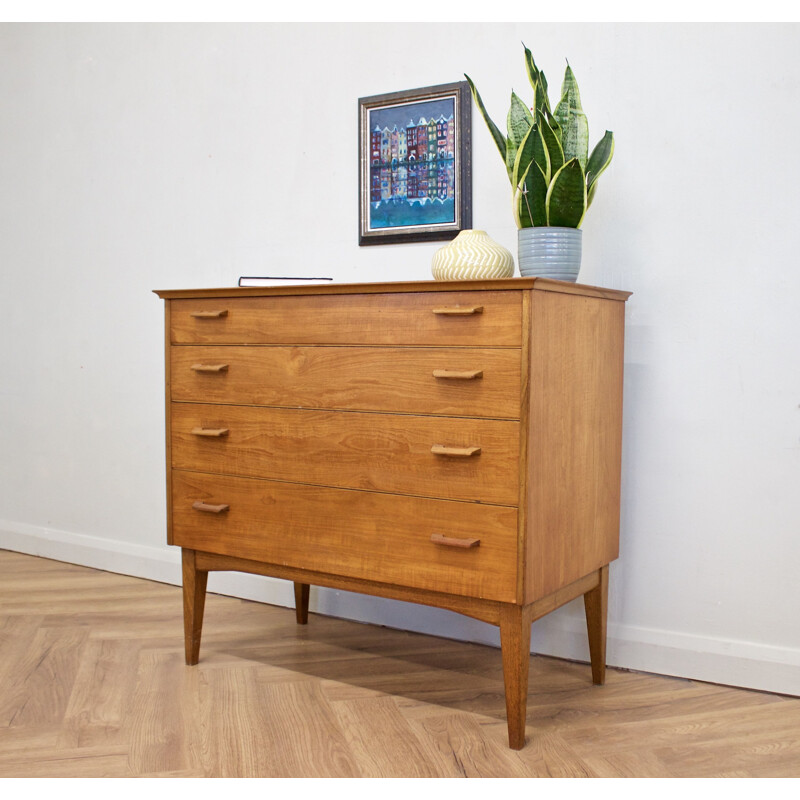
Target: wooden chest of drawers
[(452, 444)]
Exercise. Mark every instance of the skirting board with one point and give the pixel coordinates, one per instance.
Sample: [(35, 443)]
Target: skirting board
[(561, 634)]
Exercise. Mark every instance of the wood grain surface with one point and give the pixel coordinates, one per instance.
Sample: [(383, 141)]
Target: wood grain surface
[(368, 535), (93, 684), (575, 439), (461, 443), (383, 452), (363, 319), (351, 378)]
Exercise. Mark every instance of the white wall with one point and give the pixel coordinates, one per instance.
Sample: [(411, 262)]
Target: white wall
[(135, 157)]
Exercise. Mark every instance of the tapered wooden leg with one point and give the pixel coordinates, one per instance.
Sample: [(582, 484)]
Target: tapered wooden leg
[(515, 642), (301, 594), (595, 602), (194, 602)]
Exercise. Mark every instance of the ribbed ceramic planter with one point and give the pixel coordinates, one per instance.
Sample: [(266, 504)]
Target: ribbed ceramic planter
[(550, 253), (470, 256)]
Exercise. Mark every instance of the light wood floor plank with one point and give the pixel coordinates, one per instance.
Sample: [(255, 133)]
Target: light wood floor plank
[(39, 686), (468, 746), (381, 740), (101, 700), (68, 763), (300, 734), (93, 684), (163, 715), (627, 765)]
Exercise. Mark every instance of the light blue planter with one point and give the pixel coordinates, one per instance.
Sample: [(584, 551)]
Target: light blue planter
[(550, 253)]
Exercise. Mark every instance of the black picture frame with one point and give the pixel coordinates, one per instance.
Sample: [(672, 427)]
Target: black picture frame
[(412, 187)]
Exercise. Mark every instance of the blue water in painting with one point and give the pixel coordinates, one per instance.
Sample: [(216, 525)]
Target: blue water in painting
[(398, 213)]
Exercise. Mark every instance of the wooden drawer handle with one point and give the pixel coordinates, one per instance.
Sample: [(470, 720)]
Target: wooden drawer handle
[(447, 541), (209, 508), (210, 367), (455, 375), (458, 311), (210, 431), (458, 452), (223, 312)]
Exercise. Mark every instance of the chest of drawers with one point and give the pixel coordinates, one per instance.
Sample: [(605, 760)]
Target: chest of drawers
[(451, 444)]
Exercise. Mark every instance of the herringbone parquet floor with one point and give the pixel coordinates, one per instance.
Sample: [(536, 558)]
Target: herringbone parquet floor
[(93, 684)]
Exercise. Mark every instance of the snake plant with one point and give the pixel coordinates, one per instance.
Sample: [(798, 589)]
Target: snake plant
[(546, 153)]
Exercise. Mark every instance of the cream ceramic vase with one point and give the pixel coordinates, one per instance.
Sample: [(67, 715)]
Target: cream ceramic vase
[(470, 256)]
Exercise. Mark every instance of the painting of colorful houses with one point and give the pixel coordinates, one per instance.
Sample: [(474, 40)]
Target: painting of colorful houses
[(412, 157), (414, 181)]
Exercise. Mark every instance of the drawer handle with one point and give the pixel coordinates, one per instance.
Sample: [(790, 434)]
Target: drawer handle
[(458, 311), (223, 312), (209, 508), (458, 452), (455, 375), (210, 367), (448, 541), (210, 431)]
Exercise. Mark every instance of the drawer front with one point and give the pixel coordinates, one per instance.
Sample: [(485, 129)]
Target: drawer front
[(470, 382), (358, 534), (414, 318), (458, 458)]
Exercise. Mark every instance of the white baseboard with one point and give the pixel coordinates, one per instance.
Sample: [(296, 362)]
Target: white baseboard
[(140, 561), (561, 634)]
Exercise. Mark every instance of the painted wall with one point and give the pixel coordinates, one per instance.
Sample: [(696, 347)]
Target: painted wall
[(135, 157)]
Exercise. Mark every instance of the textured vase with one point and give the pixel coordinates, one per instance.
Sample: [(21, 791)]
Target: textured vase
[(472, 255), (550, 253)]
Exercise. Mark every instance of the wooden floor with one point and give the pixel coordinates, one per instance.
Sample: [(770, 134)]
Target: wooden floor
[(93, 684)]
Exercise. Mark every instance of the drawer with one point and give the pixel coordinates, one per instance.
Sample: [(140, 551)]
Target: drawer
[(459, 458), (474, 382), (358, 534), (490, 319)]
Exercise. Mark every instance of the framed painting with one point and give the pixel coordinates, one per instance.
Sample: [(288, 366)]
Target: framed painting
[(415, 181)]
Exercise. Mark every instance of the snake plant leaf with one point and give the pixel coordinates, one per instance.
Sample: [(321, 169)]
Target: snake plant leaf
[(511, 159), (541, 100), (561, 114), (553, 123), (590, 194), (599, 159), (530, 66), (546, 152), (526, 153), (497, 135), (556, 129), (538, 82), (552, 143), (531, 208), (566, 196), (573, 122), (519, 120), (540, 154)]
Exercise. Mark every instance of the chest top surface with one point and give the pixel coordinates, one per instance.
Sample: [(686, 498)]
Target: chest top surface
[(507, 284)]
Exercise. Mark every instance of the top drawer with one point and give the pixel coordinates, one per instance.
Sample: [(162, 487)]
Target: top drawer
[(412, 318)]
